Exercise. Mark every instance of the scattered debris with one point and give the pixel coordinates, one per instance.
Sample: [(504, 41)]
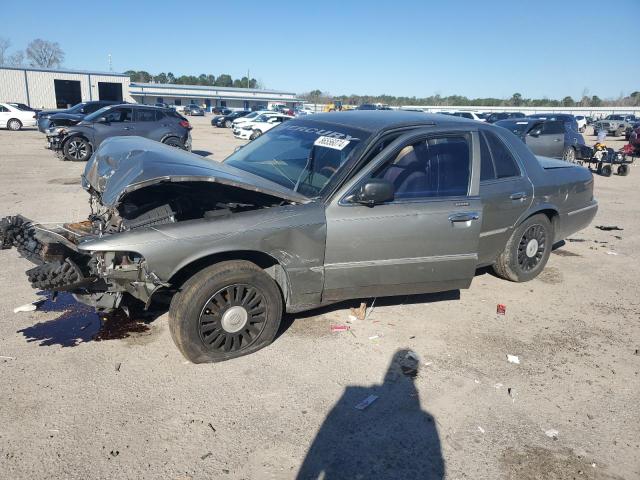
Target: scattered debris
[(117, 366), (366, 402), (501, 309), (612, 253), (477, 381), (374, 337), (552, 433), (576, 240), (481, 429), (6, 357), (351, 319), (361, 312), (513, 359), (339, 328), (412, 337), (211, 426), (29, 307), (115, 453), (498, 385), (617, 237), (370, 311), (206, 455), (608, 228)]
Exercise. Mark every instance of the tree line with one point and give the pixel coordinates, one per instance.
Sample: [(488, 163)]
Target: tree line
[(516, 100), (39, 53), (222, 80)]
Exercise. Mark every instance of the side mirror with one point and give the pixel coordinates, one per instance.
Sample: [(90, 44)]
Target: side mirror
[(102, 120), (535, 133), (374, 192)]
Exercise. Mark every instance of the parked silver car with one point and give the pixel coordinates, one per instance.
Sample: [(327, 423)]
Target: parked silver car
[(320, 209)]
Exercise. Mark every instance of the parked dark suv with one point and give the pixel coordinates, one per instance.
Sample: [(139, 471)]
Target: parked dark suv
[(77, 142), (496, 116), (226, 121), (70, 116), (549, 138)]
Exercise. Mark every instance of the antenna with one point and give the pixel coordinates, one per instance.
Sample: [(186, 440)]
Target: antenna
[(110, 64)]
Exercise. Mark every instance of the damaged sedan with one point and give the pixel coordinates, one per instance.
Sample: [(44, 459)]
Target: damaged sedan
[(341, 206)]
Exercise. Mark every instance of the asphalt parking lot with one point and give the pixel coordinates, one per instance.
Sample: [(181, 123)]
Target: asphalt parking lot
[(81, 401)]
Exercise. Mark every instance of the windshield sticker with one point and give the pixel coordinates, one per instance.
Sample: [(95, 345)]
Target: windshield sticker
[(319, 132), (330, 142)]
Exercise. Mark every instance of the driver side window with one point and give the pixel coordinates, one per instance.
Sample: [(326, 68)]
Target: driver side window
[(118, 115), (435, 167)]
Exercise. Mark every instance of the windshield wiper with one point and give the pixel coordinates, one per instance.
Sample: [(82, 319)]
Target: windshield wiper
[(307, 166)]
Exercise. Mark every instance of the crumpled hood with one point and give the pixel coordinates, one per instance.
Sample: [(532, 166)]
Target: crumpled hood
[(124, 164)]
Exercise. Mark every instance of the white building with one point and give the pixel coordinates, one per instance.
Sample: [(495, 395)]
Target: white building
[(208, 97), (48, 88)]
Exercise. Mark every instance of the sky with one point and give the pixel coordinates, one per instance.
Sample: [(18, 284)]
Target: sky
[(475, 48)]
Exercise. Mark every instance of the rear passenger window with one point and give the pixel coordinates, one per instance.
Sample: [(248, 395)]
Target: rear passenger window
[(487, 172), (503, 161), (436, 167), (144, 115), (552, 128)]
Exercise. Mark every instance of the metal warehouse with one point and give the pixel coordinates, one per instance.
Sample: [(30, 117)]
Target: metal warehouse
[(208, 97), (46, 88)]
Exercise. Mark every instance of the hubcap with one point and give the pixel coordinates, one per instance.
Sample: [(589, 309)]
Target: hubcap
[(570, 155), (77, 149), (233, 318), (531, 247)]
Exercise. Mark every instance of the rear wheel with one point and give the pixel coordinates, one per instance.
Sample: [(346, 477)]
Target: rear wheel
[(77, 149), (623, 170), (227, 310), (605, 171), (527, 250), (618, 132), (174, 142), (14, 124), (569, 154)]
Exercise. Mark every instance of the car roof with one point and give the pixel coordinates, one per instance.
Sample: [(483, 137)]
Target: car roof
[(376, 120), (520, 120)]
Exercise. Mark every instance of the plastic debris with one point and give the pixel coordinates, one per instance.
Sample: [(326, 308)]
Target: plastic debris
[(366, 402), (351, 319), (361, 312), (6, 357), (612, 253), (513, 359), (501, 309), (552, 433), (339, 328), (374, 337), (117, 366), (206, 455), (409, 365), (28, 307), (480, 429), (498, 386), (608, 228)]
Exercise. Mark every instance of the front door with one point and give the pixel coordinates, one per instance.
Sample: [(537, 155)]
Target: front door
[(118, 122), (426, 239)]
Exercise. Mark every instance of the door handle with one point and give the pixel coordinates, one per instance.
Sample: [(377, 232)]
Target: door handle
[(556, 139), (128, 128), (518, 196), (464, 217)]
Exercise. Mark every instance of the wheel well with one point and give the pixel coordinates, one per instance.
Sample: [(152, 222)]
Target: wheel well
[(12, 119), (551, 214), (263, 260), (74, 135)]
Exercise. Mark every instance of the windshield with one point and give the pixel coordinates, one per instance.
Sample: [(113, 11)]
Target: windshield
[(301, 155), (97, 114)]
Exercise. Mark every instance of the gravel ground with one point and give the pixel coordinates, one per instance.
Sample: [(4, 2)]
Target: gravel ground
[(79, 401)]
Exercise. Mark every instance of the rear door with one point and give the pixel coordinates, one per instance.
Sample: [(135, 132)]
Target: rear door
[(506, 194), (4, 116), (426, 239), (144, 123), (547, 139)]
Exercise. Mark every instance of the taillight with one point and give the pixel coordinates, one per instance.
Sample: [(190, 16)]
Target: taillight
[(185, 124)]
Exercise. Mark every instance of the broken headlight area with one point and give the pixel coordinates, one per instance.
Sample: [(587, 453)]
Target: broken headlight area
[(55, 138)]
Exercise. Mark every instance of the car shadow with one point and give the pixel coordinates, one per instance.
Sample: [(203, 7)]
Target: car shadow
[(289, 318), (391, 438), (79, 323)]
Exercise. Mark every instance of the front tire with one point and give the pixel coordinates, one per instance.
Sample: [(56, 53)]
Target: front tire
[(255, 134), (225, 311), (14, 124), (606, 170), (527, 250), (77, 149)]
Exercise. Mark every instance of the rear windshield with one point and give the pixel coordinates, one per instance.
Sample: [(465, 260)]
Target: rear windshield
[(519, 128)]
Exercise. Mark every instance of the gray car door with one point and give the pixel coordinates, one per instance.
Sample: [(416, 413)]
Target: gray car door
[(547, 139), (506, 193), (117, 122), (144, 122), (426, 239)]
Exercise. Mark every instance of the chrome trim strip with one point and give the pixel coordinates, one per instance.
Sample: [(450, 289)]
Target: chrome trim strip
[(401, 261), (493, 232), (584, 209)]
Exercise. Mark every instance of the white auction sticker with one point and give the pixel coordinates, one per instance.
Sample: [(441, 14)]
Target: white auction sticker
[(330, 142)]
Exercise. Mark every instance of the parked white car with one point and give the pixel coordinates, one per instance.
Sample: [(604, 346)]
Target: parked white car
[(469, 115), (582, 123), (13, 118), (261, 124), (252, 116)]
